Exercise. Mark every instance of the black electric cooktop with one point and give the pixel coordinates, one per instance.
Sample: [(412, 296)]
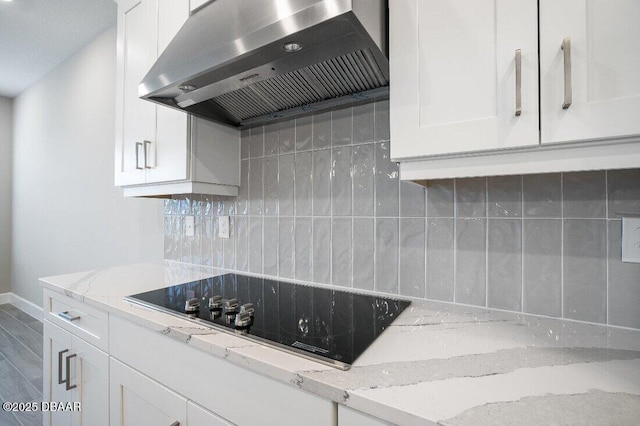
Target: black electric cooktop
[(332, 326)]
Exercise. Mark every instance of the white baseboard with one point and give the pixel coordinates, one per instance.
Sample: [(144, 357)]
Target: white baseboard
[(22, 304)]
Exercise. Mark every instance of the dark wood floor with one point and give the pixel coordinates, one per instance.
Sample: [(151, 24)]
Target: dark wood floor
[(20, 364)]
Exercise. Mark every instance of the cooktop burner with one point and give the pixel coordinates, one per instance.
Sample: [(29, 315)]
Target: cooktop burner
[(331, 326)]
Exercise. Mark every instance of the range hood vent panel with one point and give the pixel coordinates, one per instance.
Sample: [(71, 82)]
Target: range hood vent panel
[(352, 73), (343, 61)]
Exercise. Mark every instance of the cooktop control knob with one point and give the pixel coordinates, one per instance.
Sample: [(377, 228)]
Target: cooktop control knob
[(192, 305), (215, 303), (231, 306), (248, 308), (243, 320)]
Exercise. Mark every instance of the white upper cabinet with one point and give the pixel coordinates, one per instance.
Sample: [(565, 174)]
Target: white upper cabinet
[(454, 68), (135, 118), (156, 146), (464, 92), (604, 65)]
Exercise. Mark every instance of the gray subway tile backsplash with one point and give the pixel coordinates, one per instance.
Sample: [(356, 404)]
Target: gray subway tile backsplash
[(270, 246), (341, 181), (363, 178), (411, 273), (321, 201), (412, 200), (440, 198), (471, 197), (304, 141), (585, 270), (623, 192), (387, 176), (542, 195), (584, 194), (341, 250), (286, 179), (255, 244), (287, 137), (303, 248), (256, 144), (542, 267), (322, 250), (363, 253), (386, 255), (303, 186), (272, 139), (321, 191), (504, 196), (504, 264), (440, 259), (341, 127), (471, 266), (286, 245), (256, 186)]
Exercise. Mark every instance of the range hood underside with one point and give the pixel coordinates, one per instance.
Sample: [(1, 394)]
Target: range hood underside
[(329, 72)]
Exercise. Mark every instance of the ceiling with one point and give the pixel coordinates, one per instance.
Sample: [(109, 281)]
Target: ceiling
[(37, 35)]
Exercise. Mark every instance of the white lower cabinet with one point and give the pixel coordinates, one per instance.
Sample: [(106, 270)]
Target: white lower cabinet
[(75, 372), (139, 401), (349, 417), (198, 416), (147, 378), (229, 392)]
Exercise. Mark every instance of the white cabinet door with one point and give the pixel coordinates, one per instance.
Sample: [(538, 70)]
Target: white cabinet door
[(57, 344), (75, 372), (168, 154), (135, 118), (90, 374), (605, 69), (136, 400), (453, 71), (198, 416)]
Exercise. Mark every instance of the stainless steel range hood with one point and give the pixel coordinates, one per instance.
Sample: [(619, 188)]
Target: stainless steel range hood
[(248, 62)]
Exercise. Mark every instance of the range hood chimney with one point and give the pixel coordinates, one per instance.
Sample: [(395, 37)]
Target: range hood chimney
[(249, 62)]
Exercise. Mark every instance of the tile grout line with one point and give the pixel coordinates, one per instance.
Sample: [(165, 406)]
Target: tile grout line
[(522, 244), (562, 245), (606, 224), (486, 243), (455, 238)]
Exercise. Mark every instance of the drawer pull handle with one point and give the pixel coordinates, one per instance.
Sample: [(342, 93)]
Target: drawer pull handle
[(566, 47), (518, 82), (138, 146), (67, 316), (176, 423), (60, 381), (68, 375)]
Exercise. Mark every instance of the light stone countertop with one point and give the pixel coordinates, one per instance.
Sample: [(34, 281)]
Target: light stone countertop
[(438, 363)]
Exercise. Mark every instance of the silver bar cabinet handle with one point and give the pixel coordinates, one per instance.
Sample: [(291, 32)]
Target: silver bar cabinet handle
[(68, 375), (518, 82), (566, 47), (60, 381), (146, 165), (138, 146), (65, 315)]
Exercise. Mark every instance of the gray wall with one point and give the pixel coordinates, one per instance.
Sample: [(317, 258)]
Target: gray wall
[(321, 201), (5, 194), (67, 215)]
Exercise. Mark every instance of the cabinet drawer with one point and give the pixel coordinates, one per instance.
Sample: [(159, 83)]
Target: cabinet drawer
[(84, 321)]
